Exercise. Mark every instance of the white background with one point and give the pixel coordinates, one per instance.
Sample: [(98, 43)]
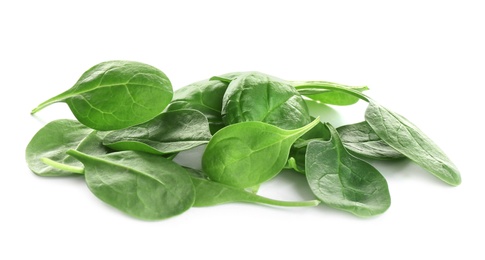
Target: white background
[(423, 59)]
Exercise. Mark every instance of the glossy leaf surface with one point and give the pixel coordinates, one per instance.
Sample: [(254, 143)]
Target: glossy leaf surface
[(409, 140), (259, 97), (170, 132), (116, 94), (142, 185), (249, 153), (343, 181)]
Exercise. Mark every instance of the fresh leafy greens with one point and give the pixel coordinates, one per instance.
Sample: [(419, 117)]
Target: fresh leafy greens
[(342, 181), (254, 126), (51, 143), (142, 185), (249, 153), (170, 132), (409, 140), (116, 94), (361, 140), (204, 96), (259, 97)]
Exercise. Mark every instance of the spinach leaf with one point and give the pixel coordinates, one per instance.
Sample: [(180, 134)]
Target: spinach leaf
[(330, 95), (259, 97), (170, 132), (116, 94), (249, 153), (409, 140), (210, 193), (361, 140), (342, 181), (54, 140), (204, 96), (142, 185)]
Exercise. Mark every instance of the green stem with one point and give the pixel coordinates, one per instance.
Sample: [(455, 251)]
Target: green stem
[(64, 167), (46, 103), (309, 88), (281, 203)]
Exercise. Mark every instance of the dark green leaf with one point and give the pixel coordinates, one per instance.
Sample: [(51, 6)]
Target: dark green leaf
[(116, 94), (342, 181), (170, 132), (259, 97), (142, 185), (361, 140), (409, 140)]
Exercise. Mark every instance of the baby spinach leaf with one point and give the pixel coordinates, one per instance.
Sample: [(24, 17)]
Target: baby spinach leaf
[(249, 153), (259, 97), (342, 181), (330, 95), (170, 132), (142, 185), (116, 94), (54, 140), (210, 193), (204, 96), (409, 140), (361, 140)]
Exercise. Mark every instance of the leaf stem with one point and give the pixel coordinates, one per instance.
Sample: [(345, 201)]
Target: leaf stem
[(45, 103), (64, 167), (281, 203), (310, 87)]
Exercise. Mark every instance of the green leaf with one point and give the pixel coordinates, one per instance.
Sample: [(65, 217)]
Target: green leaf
[(142, 185), (204, 96), (259, 97), (361, 140), (54, 140), (343, 181), (329, 92), (409, 140), (116, 94), (210, 193), (249, 153), (170, 132)]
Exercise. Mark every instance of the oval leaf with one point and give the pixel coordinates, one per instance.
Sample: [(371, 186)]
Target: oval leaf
[(142, 185), (361, 140), (344, 182), (249, 153), (170, 132), (409, 140), (259, 97), (96, 98)]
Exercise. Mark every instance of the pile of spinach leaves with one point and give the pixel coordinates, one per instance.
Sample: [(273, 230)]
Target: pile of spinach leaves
[(130, 125)]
